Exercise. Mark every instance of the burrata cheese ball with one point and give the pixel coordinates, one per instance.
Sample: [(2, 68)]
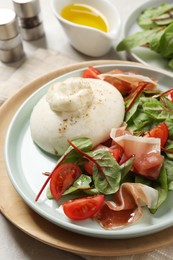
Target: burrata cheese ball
[(76, 107)]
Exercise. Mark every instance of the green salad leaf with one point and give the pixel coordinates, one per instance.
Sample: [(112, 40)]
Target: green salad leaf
[(156, 34), (107, 178), (162, 187), (166, 42), (145, 20), (137, 39)]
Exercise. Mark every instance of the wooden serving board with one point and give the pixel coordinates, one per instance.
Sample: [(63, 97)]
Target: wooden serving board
[(22, 216)]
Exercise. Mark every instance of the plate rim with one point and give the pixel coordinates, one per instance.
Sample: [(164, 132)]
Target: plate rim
[(85, 64)]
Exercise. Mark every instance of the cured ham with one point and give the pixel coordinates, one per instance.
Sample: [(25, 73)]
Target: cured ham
[(126, 82), (147, 152), (127, 207)]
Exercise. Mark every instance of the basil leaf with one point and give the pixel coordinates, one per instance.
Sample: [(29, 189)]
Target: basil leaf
[(108, 179)]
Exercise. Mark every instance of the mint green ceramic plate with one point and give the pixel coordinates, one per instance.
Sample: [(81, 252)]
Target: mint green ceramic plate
[(25, 163)]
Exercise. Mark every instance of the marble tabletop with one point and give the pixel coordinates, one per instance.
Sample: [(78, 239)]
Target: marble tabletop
[(14, 243)]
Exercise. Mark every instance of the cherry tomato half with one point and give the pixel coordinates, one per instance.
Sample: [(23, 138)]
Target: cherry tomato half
[(91, 72), (83, 208), (160, 131), (62, 178)]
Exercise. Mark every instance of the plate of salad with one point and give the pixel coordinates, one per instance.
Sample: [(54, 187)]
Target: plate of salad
[(148, 34), (120, 189)]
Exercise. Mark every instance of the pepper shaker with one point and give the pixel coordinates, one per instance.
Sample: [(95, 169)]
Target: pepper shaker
[(11, 47), (29, 19)]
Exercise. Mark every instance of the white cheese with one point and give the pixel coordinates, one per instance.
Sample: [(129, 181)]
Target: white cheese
[(76, 107)]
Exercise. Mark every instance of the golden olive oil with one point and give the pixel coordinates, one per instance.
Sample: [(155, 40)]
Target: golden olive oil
[(84, 15)]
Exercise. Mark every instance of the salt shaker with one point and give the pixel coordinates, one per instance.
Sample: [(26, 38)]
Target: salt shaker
[(11, 47), (29, 19)]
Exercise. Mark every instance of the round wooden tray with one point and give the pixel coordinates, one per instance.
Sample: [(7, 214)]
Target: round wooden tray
[(16, 210)]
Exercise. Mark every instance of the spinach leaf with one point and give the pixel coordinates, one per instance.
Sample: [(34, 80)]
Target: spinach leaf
[(83, 182), (107, 179), (166, 42), (155, 42), (157, 34), (145, 20), (140, 179), (83, 143), (162, 187), (168, 164), (156, 110), (137, 39), (170, 63), (126, 167)]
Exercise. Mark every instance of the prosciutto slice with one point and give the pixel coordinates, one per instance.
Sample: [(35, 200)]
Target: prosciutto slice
[(127, 82), (127, 207), (147, 152)]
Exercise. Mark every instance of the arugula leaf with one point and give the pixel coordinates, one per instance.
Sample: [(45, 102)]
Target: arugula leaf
[(106, 181), (145, 20)]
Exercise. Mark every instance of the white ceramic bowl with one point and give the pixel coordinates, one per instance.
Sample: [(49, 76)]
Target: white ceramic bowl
[(87, 40)]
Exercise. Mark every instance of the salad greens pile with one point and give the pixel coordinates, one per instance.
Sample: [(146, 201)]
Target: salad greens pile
[(157, 34), (149, 109)]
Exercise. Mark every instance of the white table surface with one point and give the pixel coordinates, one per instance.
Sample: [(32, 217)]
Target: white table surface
[(14, 244)]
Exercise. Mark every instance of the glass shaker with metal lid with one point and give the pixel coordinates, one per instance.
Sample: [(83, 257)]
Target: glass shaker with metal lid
[(11, 47), (29, 19)]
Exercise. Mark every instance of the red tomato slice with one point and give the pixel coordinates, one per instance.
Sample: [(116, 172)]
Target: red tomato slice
[(160, 131), (62, 178), (170, 95), (117, 152), (91, 72), (88, 166), (83, 208)]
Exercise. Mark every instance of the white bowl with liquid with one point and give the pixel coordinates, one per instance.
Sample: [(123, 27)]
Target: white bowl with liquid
[(88, 40)]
